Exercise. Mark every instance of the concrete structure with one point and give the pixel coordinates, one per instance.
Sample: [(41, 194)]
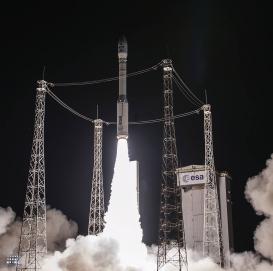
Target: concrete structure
[(191, 179)]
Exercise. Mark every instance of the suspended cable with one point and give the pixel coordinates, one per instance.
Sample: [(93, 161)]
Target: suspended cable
[(104, 80), (161, 119), (59, 101), (73, 111), (186, 94), (197, 111), (186, 87)]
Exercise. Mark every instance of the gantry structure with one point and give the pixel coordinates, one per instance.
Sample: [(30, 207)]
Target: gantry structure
[(33, 244), (212, 231), (96, 214), (171, 247), (171, 243)]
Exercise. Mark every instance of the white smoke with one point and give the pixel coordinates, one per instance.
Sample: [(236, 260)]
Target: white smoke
[(259, 191), (197, 262), (7, 216), (9, 238), (7, 268), (119, 247), (106, 251), (122, 218), (59, 229), (264, 238), (86, 253), (249, 261)]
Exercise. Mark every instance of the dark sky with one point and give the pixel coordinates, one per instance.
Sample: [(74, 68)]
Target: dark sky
[(220, 46)]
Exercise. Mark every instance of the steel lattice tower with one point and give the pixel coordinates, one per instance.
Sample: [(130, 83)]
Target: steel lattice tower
[(33, 244), (96, 215), (212, 234), (171, 247)]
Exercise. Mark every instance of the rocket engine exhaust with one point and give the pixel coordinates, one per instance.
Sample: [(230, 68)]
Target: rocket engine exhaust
[(122, 103)]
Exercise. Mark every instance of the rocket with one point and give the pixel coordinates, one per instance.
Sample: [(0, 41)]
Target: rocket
[(122, 103)]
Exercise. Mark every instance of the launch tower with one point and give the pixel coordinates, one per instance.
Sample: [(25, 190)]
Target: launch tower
[(171, 247), (212, 234), (33, 244), (96, 215)]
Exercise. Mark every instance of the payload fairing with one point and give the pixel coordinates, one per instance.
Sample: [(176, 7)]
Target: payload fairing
[(122, 103)]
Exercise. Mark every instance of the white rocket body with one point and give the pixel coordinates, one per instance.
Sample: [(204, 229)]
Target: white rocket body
[(122, 103)]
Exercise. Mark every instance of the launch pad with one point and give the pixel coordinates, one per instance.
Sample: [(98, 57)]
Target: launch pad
[(172, 242)]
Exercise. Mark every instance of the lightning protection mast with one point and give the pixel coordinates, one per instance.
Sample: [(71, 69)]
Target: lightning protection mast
[(171, 247), (212, 233), (33, 244), (96, 215)]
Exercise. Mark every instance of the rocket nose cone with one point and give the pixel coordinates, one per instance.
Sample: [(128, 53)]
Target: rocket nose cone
[(122, 45)]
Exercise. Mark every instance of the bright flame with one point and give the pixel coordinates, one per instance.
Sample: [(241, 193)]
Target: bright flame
[(122, 217)]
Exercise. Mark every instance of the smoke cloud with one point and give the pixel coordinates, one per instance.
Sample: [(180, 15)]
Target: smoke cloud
[(259, 191), (98, 253), (102, 252), (249, 261), (7, 216), (59, 229), (86, 253), (9, 237)]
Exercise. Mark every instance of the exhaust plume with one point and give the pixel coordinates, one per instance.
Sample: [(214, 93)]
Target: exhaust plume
[(120, 247), (122, 218)]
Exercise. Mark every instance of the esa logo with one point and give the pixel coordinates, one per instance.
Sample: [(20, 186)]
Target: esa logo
[(187, 178)]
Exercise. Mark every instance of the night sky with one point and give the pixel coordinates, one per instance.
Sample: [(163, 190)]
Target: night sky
[(220, 46)]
